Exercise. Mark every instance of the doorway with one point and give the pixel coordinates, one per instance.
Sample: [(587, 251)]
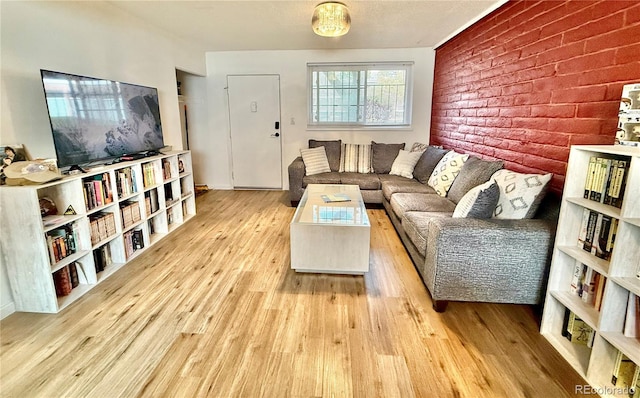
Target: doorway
[(254, 121)]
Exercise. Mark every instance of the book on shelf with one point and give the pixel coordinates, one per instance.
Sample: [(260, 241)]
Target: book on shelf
[(576, 330), (166, 169), (102, 258), (62, 282), (605, 181), (97, 190), (597, 233), (623, 372), (337, 197), (632, 318), (52, 219), (635, 384), (587, 284), (61, 242), (591, 227)]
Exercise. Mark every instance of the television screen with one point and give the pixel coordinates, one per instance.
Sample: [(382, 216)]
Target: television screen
[(97, 119)]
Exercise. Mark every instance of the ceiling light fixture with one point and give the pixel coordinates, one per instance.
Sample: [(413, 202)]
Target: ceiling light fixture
[(331, 19)]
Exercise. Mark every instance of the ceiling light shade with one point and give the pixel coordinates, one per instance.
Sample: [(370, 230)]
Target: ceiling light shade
[(331, 19)]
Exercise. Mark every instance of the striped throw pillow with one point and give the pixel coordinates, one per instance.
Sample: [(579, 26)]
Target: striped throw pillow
[(315, 161), (355, 158), (405, 163)]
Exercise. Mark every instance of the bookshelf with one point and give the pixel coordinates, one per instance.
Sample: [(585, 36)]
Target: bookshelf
[(112, 225), (619, 269)]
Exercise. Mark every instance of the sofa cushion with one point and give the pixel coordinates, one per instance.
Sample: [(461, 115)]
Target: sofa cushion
[(404, 163), (355, 158), (479, 202), (474, 172), (364, 181), (324, 178), (333, 150), (402, 202), (427, 162), (446, 172), (383, 155), (520, 194), (416, 224), (315, 161), (404, 185)]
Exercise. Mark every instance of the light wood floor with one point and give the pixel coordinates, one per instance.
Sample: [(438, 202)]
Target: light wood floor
[(216, 311)]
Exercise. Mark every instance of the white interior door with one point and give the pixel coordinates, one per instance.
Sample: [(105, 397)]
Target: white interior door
[(254, 118)]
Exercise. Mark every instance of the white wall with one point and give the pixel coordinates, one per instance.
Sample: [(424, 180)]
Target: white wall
[(86, 38), (213, 148)]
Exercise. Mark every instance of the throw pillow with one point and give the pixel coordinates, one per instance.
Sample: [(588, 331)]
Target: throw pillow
[(520, 194), (479, 202), (333, 150), (427, 163), (383, 155), (419, 147), (404, 163), (315, 161), (446, 172), (475, 171), (355, 158)]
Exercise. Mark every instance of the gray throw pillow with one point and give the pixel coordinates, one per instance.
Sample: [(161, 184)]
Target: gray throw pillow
[(479, 202), (427, 163), (332, 148), (383, 155), (475, 171)]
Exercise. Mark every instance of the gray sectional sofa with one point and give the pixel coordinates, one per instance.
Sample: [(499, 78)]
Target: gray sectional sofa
[(459, 259)]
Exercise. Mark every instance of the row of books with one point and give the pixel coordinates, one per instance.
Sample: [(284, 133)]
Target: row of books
[(61, 242), (151, 201), (606, 180), (576, 330), (597, 233), (588, 285), (66, 279), (97, 191), (133, 240), (148, 175), (102, 258), (166, 169), (102, 225), (625, 375), (130, 212), (126, 182)]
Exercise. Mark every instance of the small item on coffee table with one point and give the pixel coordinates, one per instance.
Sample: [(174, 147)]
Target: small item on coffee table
[(337, 197)]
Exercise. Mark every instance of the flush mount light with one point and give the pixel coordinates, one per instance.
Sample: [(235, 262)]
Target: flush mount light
[(331, 19)]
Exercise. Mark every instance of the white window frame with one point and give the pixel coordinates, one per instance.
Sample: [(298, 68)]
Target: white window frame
[(359, 66)]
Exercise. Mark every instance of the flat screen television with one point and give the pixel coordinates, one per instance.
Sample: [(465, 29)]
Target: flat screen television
[(95, 119)]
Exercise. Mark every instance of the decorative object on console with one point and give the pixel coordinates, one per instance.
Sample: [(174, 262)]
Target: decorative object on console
[(404, 163), (331, 19), (479, 202), (315, 161), (520, 194), (356, 158), (29, 173), (446, 172)]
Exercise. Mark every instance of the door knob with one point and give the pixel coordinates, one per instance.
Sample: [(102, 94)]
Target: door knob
[(275, 135)]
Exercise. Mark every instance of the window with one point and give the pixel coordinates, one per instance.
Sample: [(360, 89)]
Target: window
[(360, 95)]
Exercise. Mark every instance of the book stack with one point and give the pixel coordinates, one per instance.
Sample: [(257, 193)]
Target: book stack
[(102, 225), (61, 242), (66, 278), (133, 240), (606, 179), (130, 212), (625, 375), (102, 258), (148, 175), (125, 182), (576, 330), (597, 233), (166, 169), (151, 201), (588, 285), (97, 191)]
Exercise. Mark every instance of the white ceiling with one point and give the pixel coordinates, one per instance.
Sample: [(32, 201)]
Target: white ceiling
[(218, 25)]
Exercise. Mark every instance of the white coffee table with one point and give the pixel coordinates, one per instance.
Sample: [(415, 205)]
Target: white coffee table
[(330, 237)]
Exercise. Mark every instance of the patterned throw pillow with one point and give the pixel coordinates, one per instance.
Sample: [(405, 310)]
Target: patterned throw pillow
[(315, 161), (419, 147), (446, 172), (479, 202), (520, 194), (405, 163), (355, 158)]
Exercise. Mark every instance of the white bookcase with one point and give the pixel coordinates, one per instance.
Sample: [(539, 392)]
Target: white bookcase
[(595, 364), (28, 256)]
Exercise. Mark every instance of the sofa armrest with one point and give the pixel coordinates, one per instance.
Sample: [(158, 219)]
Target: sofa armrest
[(296, 174), (488, 260)]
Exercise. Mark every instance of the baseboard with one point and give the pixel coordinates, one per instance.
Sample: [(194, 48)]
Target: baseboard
[(7, 310)]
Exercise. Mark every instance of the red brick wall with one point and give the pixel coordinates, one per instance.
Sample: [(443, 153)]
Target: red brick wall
[(533, 78)]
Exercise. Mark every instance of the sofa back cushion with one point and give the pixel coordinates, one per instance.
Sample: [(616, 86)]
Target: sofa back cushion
[(427, 162), (332, 149), (475, 171), (383, 155)]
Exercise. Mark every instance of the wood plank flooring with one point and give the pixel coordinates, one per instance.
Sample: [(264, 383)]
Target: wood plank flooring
[(215, 311)]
